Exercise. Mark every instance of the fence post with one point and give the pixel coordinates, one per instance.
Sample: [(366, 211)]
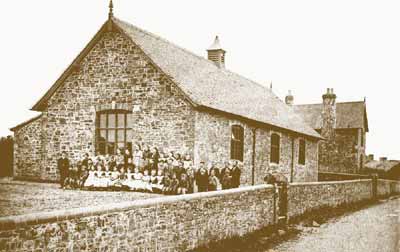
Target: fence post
[(374, 186)]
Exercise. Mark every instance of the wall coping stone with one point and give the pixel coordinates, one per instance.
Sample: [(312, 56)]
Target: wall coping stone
[(389, 180), (12, 222), (328, 182)]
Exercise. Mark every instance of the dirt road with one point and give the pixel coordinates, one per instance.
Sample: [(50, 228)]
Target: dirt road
[(374, 229)]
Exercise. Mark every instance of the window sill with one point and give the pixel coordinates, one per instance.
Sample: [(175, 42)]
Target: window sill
[(274, 164)]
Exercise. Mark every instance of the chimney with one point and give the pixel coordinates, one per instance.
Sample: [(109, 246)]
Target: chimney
[(328, 115), (370, 157), (289, 98), (216, 54), (383, 159)]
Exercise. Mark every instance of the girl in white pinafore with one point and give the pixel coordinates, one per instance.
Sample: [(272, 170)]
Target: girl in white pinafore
[(146, 181), (137, 183), (137, 156), (129, 180), (90, 179), (97, 177)]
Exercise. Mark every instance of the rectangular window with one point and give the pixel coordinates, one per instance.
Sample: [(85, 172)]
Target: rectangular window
[(275, 148), (237, 142), (302, 151), (113, 131)]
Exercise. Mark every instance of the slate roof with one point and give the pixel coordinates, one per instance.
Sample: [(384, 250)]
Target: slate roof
[(208, 85), (26, 122), (382, 165), (348, 115)]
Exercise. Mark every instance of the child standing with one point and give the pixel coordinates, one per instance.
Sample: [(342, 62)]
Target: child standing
[(137, 155), (174, 184), (187, 162), (213, 181)]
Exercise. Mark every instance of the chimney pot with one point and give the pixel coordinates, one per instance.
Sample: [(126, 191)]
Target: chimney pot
[(289, 98), (383, 159), (371, 157)]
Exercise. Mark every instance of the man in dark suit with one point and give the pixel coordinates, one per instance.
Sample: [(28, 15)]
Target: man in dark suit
[(236, 172), (63, 167)]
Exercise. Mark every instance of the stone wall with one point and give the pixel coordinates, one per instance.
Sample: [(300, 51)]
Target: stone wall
[(28, 151), (173, 223), (387, 187), (343, 153), (213, 142), (115, 74), (329, 176), (305, 197)]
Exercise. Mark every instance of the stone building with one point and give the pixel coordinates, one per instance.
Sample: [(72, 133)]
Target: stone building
[(130, 86), (343, 125)]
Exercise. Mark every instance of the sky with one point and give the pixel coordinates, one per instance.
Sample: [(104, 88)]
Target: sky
[(305, 46)]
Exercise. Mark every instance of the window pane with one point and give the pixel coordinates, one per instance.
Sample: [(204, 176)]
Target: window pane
[(103, 135), (129, 121), (121, 136), (121, 120), (103, 120), (111, 135), (129, 135), (111, 120)]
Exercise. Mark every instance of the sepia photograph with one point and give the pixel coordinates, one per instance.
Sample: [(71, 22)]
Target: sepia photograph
[(200, 126)]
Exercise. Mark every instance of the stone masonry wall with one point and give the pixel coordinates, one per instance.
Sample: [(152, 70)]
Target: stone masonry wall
[(304, 197), (117, 74), (173, 223), (343, 153), (28, 150), (213, 140), (387, 187)]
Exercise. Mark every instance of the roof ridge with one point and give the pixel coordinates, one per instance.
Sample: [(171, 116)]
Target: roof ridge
[(34, 118), (191, 53), (308, 104), (165, 40)]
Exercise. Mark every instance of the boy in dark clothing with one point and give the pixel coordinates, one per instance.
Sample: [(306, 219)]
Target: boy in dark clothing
[(202, 178), (226, 180), (85, 160), (212, 181), (83, 176), (63, 168)]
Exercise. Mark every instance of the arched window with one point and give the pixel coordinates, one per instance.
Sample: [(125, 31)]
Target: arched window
[(237, 142), (113, 130), (275, 148), (302, 151)]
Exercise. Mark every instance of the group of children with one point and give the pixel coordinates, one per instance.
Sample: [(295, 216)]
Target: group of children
[(151, 171)]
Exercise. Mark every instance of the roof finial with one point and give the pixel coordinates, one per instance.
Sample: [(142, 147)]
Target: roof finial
[(111, 7)]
